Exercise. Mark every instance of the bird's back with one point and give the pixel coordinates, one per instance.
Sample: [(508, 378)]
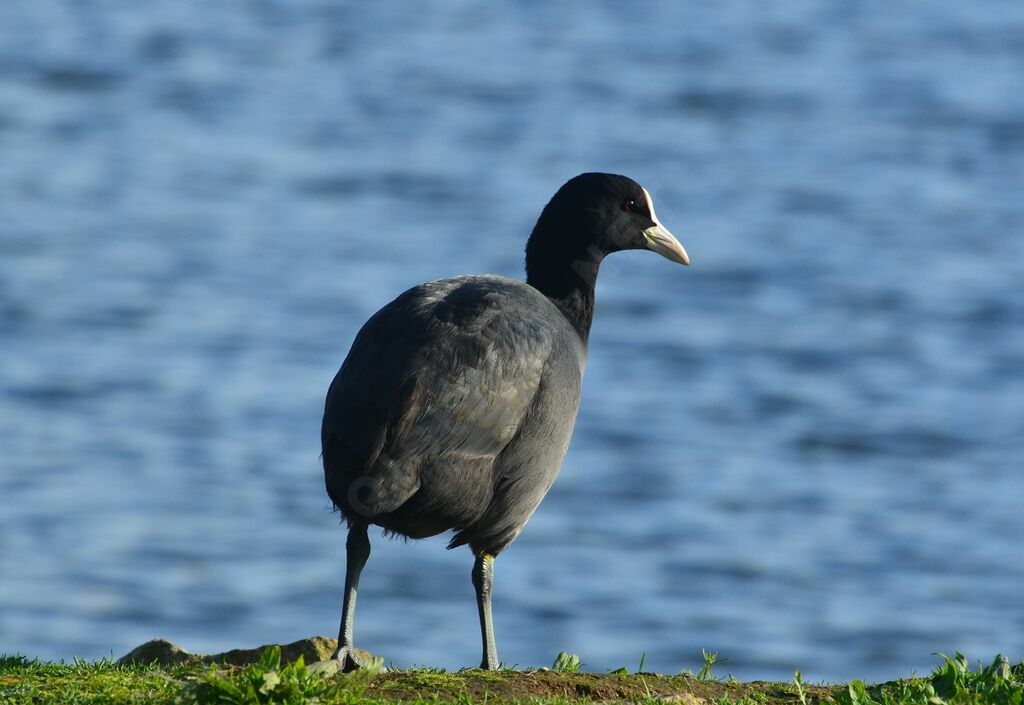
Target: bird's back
[(453, 410)]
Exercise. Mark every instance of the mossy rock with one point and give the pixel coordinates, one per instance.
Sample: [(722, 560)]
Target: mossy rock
[(160, 652), (165, 653)]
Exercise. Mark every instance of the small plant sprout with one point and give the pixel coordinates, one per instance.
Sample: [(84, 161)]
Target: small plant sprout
[(710, 659), (798, 680), (566, 663)]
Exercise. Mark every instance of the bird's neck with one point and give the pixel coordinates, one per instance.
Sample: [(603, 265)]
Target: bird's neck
[(567, 278)]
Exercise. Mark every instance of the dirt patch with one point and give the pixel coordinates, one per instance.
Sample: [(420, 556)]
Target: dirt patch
[(523, 685)]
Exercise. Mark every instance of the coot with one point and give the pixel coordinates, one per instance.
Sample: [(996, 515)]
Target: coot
[(455, 405)]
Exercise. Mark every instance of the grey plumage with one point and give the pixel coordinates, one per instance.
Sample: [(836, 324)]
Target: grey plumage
[(453, 413), (456, 403)]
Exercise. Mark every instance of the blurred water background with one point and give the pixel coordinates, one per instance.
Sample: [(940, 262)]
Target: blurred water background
[(805, 451)]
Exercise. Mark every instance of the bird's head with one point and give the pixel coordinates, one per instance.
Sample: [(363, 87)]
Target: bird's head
[(595, 214)]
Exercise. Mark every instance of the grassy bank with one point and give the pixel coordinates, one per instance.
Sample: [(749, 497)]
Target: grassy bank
[(269, 681)]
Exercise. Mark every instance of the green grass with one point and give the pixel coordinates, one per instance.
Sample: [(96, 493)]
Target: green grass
[(30, 681), (267, 682), (954, 683)]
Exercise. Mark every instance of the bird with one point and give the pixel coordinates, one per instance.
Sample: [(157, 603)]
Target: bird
[(454, 407)]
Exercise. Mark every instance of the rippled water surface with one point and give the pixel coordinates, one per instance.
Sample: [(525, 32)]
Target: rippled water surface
[(805, 451)]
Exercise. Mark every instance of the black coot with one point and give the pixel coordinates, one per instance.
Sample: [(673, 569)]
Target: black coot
[(455, 405)]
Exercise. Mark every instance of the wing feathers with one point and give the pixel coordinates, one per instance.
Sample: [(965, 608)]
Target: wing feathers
[(441, 377)]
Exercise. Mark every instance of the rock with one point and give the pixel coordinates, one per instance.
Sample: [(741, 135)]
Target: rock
[(324, 668), (317, 648), (681, 699), (158, 651), (165, 653)]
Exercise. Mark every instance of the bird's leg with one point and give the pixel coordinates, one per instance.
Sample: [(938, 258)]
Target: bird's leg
[(358, 550), (483, 581)]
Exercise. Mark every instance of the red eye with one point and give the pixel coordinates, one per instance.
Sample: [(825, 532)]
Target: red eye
[(629, 206)]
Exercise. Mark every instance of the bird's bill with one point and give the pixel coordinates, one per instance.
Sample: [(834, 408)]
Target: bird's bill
[(660, 240)]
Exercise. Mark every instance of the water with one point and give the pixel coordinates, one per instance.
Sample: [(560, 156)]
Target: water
[(805, 451)]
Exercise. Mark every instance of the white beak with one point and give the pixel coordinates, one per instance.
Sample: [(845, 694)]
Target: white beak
[(665, 244), (660, 240)]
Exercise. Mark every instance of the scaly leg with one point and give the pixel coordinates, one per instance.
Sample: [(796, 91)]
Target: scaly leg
[(483, 581), (358, 550)]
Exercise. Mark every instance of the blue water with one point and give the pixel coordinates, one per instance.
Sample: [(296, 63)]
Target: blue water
[(804, 451)]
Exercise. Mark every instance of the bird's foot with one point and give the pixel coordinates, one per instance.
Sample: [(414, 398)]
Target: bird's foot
[(351, 659), (489, 664)]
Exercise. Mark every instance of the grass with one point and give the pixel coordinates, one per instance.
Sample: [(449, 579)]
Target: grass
[(710, 659), (269, 682)]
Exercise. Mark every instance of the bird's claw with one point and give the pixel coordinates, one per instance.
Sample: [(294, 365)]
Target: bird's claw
[(350, 659)]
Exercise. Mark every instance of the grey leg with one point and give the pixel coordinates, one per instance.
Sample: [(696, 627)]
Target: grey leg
[(483, 581), (358, 550)]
